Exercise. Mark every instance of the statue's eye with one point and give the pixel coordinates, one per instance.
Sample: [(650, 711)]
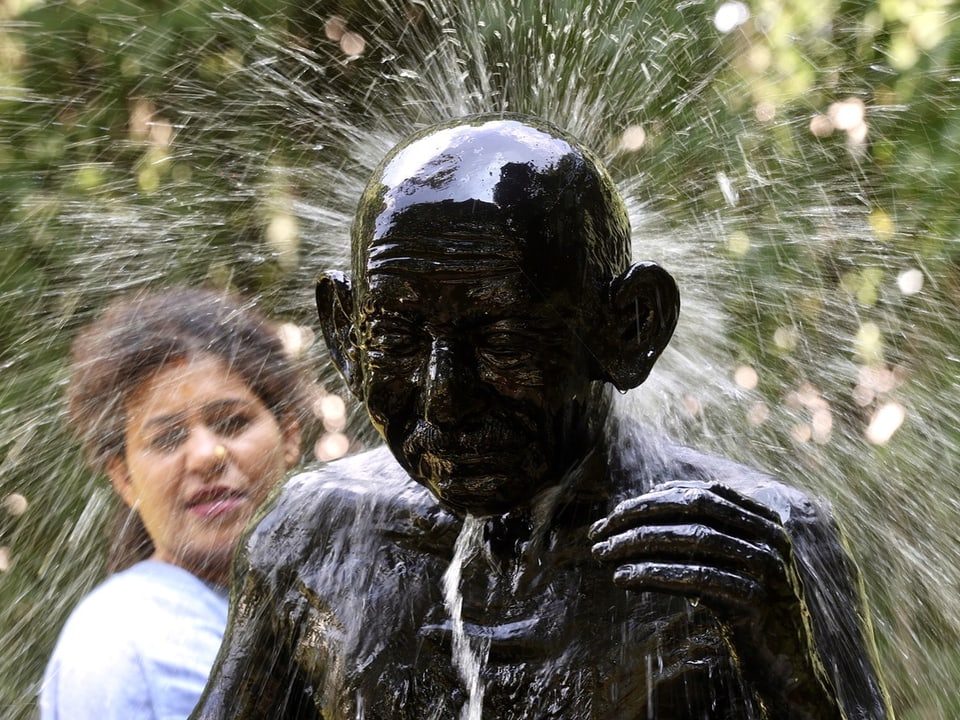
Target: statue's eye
[(392, 338), (504, 350)]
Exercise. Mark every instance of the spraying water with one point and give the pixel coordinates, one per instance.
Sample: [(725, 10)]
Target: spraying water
[(229, 144)]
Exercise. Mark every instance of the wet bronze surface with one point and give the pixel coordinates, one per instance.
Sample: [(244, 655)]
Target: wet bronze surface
[(491, 311)]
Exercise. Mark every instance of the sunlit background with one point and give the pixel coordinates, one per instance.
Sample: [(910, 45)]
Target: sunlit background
[(794, 164)]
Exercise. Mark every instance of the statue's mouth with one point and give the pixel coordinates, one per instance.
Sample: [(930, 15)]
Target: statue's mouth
[(488, 443), (463, 463)]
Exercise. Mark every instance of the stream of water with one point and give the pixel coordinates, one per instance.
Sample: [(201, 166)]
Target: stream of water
[(468, 657)]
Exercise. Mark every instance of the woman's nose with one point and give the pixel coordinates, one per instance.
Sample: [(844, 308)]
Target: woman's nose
[(205, 450)]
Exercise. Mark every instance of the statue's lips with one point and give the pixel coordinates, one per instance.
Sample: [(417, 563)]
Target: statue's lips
[(484, 454), (465, 457), (467, 462)]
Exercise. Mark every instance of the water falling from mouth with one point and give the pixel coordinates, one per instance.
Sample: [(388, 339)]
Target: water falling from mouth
[(469, 656)]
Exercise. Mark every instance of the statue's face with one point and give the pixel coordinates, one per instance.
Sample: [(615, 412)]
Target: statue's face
[(477, 379), (492, 300)]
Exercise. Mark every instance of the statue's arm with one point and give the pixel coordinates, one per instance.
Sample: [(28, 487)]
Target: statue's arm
[(255, 676), (771, 566), (809, 649), (841, 630)]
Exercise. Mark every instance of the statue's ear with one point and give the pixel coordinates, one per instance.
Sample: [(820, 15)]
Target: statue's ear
[(642, 309), (335, 308)]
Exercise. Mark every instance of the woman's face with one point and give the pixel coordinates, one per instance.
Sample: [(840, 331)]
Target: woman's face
[(202, 452)]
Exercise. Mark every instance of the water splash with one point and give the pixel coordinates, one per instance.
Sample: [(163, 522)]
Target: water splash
[(231, 144)]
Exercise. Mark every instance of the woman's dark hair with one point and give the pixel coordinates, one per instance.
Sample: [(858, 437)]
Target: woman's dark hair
[(139, 335)]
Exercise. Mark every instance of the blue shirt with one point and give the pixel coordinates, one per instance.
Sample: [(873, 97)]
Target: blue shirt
[(139, 647)]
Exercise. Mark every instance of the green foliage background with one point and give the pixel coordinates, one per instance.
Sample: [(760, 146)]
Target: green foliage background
[(155, 142)]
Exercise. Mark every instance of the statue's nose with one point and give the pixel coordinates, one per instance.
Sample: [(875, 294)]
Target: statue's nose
[(445, 393)]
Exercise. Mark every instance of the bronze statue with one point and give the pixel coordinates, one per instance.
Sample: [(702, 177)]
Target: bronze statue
[(491, 312)]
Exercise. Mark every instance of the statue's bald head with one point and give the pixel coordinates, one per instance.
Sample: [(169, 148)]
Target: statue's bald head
[(504, 176)]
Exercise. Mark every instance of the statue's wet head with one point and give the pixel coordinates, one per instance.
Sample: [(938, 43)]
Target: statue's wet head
[(492, 300)]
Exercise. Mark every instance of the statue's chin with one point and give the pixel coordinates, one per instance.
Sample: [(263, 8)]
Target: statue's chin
[(479, 482), (483, 495)]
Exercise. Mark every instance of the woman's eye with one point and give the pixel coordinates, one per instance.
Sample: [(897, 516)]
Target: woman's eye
[(169, 439), (230, 425)]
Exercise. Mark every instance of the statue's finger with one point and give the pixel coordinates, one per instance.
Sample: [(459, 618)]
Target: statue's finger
[(693, 543), (685, 504), (716, 588), (728, 493)]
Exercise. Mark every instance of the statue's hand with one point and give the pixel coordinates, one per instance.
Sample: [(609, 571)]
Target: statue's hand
[(710, 543), (701, 540)]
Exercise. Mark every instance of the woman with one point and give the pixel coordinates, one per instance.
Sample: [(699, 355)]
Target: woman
[(188, 402)]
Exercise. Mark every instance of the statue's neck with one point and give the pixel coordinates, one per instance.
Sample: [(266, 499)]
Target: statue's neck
[(578, 497), (576, 501)]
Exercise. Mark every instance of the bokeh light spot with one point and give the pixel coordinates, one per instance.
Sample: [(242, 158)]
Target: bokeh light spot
[(331, 446), (869, 343), (738, 243), (633, 138), (885, 422), (883, 224), (15, 504), (352, 44), (821, 423), (295, 339), (910, 281), (88, 177), (334, 413), (847, 114), (758, 413), (334, 28), (874, 381), (821, 126), (730, 15), (785, 338), (283, 235), (148, 179), (765, 110), (333, 407), (801, 432), (746, 377)]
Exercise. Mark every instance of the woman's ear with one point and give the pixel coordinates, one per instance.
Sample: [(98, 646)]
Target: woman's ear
[(335, 308), (292, 439), (641, 309), (119, 475)]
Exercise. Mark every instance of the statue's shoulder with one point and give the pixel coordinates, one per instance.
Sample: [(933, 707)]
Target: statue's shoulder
[(793, 504), (350, 479), (311, 506), (647, 459)]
